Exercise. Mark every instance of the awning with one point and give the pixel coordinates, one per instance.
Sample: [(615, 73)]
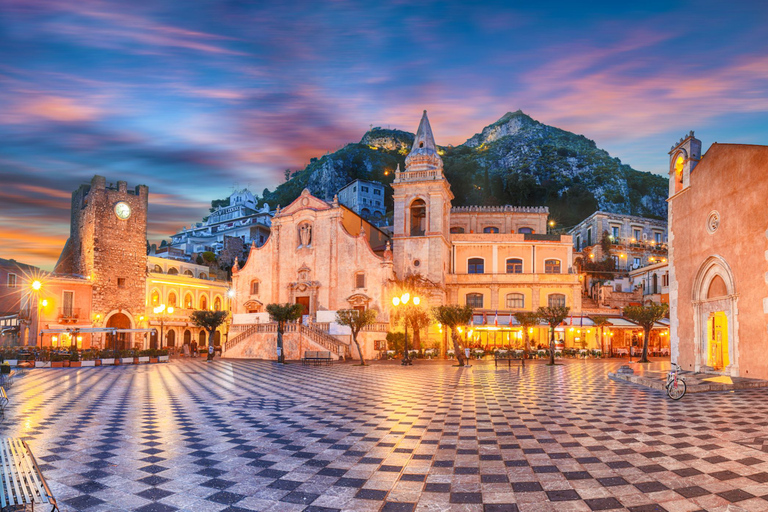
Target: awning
[(622, 323), (578, 321), (91, 330)]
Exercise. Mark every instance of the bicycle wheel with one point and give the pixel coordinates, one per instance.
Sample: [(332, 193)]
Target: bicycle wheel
[(676, 392)]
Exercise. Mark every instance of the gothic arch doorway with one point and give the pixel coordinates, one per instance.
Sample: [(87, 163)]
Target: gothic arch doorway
[(171, 339), (120, 340), (716, 344)]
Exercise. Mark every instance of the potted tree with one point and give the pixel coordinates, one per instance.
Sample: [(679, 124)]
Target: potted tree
[(57, 360), (163, 356), (153, 356), (88, 357), (144, 356), (107, 357), (74, 358), (127, 357)]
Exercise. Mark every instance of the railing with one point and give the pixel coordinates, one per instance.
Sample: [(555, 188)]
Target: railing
[(377, 327), (320, 337), (245, 332), (505, 208), (325, 340), (69, 313)]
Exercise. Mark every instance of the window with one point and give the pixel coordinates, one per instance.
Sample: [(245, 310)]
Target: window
[(555, 300), (491, 229), (636, 234), (665, 279), (515, 301), (618, 287), (475, 265), (578, 242), (217, 304), (456, 230), (657, 237), (203, 302), (189, 273), (589, 237), (188, 301), (158, 269), (12, 283), (67, 304), (121, 282), (636, 262), (360, 280), (615, 232), (354, 189), (155, 298), (552, 266), (514, 266), (172, 299), (475, 300), (418, 217), (615, 261), (376, 192), (364, 189), (254, 287), (526, 231), (173, 271), (203, 275)]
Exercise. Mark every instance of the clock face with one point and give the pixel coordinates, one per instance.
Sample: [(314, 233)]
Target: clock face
[(122, 210)]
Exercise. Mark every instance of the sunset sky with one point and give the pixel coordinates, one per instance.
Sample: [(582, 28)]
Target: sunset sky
[(193, 98)]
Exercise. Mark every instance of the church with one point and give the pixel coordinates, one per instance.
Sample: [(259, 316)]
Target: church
[(497, 259)]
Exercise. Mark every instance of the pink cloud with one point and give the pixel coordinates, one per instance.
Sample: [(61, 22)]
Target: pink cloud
[(57, 108)]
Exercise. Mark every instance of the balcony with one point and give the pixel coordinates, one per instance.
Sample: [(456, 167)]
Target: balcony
[(69, 315)]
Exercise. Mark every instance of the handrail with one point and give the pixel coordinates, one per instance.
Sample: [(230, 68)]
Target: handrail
[(318, 336)]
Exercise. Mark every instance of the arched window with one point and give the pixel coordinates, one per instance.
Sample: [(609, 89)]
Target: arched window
[(203, 302), (528, 231), (475, 300), (201, 338), (365, 213), (203, 275), (491, 229), (217, 338), (188, 301), (158, 269), (457, 230), (254, 287), (187, 337), (217, 304), (172, 299), (173, 271), (515, 301), (552, 266), (418, 217), (555, 300), (514, 266), (155, 298), (475, 265), (679, 161), (189, 273)]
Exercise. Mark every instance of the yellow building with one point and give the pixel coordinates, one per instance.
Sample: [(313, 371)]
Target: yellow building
[(174, 290)]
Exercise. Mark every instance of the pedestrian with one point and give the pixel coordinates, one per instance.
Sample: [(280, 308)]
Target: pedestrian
[(210, 353), (194, 349), (186, 350)]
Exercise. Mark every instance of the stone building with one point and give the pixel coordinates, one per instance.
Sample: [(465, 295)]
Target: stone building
[(497, 259), (15, 278), (365, 198), (717, 262)]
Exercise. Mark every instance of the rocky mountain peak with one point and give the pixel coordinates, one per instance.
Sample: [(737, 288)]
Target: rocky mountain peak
[(510, 123)]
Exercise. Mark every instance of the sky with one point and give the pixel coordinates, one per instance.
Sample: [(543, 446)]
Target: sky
[(194, 98)]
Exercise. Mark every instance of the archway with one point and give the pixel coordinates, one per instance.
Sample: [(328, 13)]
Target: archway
[(120, 340), (201, 339), (716, 341), (187, 337), (171, 339), (153, 340)]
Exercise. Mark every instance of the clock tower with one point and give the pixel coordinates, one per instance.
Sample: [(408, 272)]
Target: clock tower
[(108, 246)]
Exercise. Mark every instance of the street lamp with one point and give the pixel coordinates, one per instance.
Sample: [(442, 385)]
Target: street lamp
[(403, 301), (163, 312)]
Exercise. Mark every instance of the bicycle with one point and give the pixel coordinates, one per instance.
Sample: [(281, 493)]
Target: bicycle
[(675, 383)]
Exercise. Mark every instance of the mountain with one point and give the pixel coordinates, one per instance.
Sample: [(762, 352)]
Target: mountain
[(516, 160)]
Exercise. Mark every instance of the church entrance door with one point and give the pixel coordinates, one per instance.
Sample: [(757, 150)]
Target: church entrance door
[(717, 340), (304, 301), (120, 340)]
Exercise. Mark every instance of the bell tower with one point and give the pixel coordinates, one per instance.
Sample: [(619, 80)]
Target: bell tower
[(422, 200)]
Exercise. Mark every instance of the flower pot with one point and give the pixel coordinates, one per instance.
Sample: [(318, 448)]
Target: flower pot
[(75, 364), (127, 360), (42, 364), (87, 363), (152, 359), (56, 364), (98, 362), (108, 361), (143, 359), (164, 359)]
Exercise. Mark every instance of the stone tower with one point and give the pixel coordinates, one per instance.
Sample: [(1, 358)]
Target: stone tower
[(422, 200), (108, 245)]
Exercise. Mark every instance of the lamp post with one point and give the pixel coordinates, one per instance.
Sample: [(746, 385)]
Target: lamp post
[(37, 287), (402, 301), (163, 311)]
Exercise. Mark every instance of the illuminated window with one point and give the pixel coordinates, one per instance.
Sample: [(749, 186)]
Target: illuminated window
[(203, 302), (155, 299), (515, 301), (475, 300), (514, 266), (552, 267), (679, 173), (217, 304), (525, 231), (475, 266), (418, 217), (173, 271), (172, 299), (491, 229), (188, 301), (555, 300)]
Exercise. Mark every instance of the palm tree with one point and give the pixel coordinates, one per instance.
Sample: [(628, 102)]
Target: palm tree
[(646, 316), (208, 320), (527, 320), (282, 313), (452, 317), (554, 316), (600, 323), (356, 321)]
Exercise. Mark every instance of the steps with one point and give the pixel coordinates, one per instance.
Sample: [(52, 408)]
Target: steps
[(259, 341)]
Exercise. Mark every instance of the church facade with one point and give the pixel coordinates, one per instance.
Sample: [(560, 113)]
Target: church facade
[(718, 234), (499, 260)]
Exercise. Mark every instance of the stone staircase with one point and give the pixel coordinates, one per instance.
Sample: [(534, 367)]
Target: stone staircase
[(259, 341)]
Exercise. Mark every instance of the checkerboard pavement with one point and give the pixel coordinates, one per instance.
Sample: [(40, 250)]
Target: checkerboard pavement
[(249, 435)]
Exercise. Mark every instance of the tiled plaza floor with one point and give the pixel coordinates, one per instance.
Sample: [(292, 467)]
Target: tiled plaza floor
[(245, 435)]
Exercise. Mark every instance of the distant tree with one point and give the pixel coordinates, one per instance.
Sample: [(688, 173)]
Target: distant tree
[(554, 316), (527, 320), (208, 320), (605, 244), (282, 313), (199, 260), (163, 243), (646, 315), (287, 174), (396, 341), (453, 316), (356, 321), (209, 257)]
